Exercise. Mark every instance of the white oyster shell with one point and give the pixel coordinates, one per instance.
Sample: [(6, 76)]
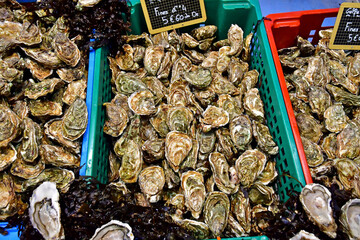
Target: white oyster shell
[(45, 211), (113, 230), (350, 218), (304, 235), (315, 200)]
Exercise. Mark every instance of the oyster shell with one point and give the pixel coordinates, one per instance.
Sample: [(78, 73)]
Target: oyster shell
[(113, 230), (142, 103), (153, 58), (152, 181), (347, 171), (214, 117), (8, 155), (264, 139), (131, 162), (315, 200), (348, 144), (45, 212), (335, 118), (179, 119), (26, 170), (38, 71), (57, 156), (253, 105), (29, 146), (261, 194), (216, 212), (43, 88), (194, 190), (343, 96), (200, 78), (241, 131), (75, 120), (309, 127), (200, 230), (117, 119), (204, 32), (240, 207), (249, 166), (41, 107), (220, 169), (177, 148), (66, 49), (304, 235), (232, 105), (9, 125), (268, 174), (75, 89), (45, 57), (350, 213), (127, 84), (319, 100), (313, 152), (236, 39)]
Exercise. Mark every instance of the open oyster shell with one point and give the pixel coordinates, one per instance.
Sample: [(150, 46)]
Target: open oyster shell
[(349, 219), (315, 200), (45, 211), (113, 230)]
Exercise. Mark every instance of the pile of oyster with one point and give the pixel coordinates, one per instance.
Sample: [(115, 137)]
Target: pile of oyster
[(323, 86), (42, 109), (188, 128)]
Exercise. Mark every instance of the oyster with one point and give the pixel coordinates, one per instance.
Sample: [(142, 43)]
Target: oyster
[(304, 235), (57, 156), (128, 84), (236, 39), (347, 171), (313, 152), (339, 72), (241, 131), (317, 73), (249, 166), (309, 127), (335, 118), (204, 32), (199, 229), (131, 163), (240, 207), (253, 105), (200, 78), (319, 100), (66, 49), (216, 212), (43, 88), (350, 213), (113, 230), (125, 60), (9, 125), (117, 119), (114, 166), (152, 181), (315, 200), (142, 103), (268, 174), (45, 57), (221, 85), (261, 194), (220, 169), (194, 190), (75, 89), (214, 117), (189, 41), (353, 69), (62, 177), (177, 148), (206, 141), (8, 155), (250, 79), (264, 139), (29, 146), (45, 212), (26, 170), (179, 119), (329, 145), (232, 105), (75, 120), (348, 144), (343, 96), (37, 70), (153, 58), (40, 108)]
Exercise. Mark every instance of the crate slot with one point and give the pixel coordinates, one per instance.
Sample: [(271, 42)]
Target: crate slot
[(328, 22)]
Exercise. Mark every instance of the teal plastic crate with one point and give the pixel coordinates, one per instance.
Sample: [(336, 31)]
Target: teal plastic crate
[(222, 13)]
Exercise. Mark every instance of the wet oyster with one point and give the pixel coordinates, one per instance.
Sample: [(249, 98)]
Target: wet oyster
[(253, 105), (117, 119), (249, 166), (348, 144), (309, 127), (264, 139), (261, 194), (220, 169), (40, 108), (315, 200), (38, 71), (128, 84), (329, 145), (75, 89), (177, 147), (343, 96), (200, 78), (319, 100), (194, 190), (199, 229), (347, 171), (335, 118), (304, 235), (62, 177), (29, 146), (153, 58), (114, 230), (240, 207), (313, 152), (236, 39), (45, 212), (216, 212), (7, 156), (241, 131), (179, 119), (9, 125), (350, 213), (57, 156), (214, 117), (152, 181), (142, 103), (131, 162), (75, 120), (26, 170), (66, 49), (44, 57), (269, 173), (204, 32), (43, 88)]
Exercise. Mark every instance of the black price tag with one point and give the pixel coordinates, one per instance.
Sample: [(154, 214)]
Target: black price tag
[(164, 15), (346, 33)]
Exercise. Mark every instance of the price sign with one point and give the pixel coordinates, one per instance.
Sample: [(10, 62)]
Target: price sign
[(346, 33), (164, 15)]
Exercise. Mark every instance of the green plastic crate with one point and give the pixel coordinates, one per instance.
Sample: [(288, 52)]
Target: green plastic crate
[(222, 13)]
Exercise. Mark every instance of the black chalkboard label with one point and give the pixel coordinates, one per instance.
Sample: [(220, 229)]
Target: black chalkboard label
[(346, 33), (164, 15)]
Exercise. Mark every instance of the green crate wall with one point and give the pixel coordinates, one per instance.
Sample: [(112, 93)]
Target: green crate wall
[(222, 13)]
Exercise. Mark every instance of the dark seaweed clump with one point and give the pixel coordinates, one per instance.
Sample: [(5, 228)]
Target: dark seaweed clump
[(89, 204), (292, 218), (106, 22)]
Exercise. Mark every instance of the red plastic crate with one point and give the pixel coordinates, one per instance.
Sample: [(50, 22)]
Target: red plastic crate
[(282, 30)]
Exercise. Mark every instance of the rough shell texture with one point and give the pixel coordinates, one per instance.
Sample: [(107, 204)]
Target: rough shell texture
[(113, 230)]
